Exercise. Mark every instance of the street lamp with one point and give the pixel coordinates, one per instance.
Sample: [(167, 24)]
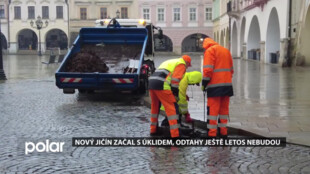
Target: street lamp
[(39, 26), (117, 14), (2, 74), (69, 38)]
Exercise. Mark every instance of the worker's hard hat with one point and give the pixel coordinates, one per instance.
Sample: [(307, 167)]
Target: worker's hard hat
[(187, 59)]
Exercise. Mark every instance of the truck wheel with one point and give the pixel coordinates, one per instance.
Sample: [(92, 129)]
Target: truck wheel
[(90, 91), (68, 91), (82, 91), (142, 88)]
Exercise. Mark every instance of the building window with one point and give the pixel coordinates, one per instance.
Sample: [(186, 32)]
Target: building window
[(208, 14), (176, 14), (161, 14), (83, 13), (2, 12), (146, 13), (192, 14), (103, 13), (45, 12), (59, 12), (124, 12), (31, 14), (17, 13)]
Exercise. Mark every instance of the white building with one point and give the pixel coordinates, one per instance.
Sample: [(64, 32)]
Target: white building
[(302, 38), (24, 38), (259, 30)]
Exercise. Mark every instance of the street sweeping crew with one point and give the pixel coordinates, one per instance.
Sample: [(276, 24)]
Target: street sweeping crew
[(190, 78), (217, 82), (164, 89)]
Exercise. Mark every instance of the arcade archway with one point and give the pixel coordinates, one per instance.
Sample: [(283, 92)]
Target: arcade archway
[(193, 43), (165, 44), (273, 38), (253, 44), (56, 39), (27, 40)]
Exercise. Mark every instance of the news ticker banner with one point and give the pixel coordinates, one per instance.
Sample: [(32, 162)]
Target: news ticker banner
[(165, 142)]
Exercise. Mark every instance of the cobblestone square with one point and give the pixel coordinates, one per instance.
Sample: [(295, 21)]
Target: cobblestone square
[(33, 109)]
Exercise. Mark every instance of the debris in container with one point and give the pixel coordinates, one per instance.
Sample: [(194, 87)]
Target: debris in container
[(86, 62), (106, 58)]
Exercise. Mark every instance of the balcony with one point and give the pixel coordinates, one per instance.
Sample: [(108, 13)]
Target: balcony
[(250, 4), (236, 7), (233, 9)]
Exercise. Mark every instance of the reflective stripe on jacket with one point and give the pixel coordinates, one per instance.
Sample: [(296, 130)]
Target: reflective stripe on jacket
[(168, 74), (218, 68)]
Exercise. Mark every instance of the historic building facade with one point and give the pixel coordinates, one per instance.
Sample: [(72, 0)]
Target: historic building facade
[(37, 25), (184, 23), (85, 13), (260, 30)]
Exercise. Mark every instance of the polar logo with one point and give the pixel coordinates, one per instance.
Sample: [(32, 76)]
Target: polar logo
[(44, 147)]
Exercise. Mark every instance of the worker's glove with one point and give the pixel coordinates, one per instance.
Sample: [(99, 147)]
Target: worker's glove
[(175, 91), (204, 85), (188, 118)]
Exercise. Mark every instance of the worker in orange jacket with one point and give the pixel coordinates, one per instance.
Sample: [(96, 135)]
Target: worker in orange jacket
[(164, 89), (217, 82)]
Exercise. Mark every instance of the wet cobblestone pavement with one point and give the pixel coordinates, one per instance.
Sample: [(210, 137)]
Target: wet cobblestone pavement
[(35, 110)]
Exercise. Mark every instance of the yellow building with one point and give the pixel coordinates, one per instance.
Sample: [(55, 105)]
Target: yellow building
[(84, 13), (37, 26)]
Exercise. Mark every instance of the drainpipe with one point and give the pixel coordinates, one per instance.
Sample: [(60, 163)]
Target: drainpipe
[(289, 59), (229, 39), (9, 40)]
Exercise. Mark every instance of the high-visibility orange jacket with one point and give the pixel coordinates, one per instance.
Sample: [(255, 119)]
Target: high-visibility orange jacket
[(169, 74), (217, 69)]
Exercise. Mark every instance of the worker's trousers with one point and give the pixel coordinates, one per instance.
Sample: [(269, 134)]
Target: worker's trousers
[(166, 98), (218, 109)]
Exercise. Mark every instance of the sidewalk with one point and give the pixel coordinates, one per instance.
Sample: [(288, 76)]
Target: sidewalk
[(269, 101)]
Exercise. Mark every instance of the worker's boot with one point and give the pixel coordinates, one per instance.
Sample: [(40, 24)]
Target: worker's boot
[(159, 132), (223, 136), (188, 118), (184, 134), (180, 122)]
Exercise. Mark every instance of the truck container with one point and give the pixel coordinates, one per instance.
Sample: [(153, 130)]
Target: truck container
[(110, 56)]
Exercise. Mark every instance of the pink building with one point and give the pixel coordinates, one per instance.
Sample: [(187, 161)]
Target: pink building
[(185, 23)]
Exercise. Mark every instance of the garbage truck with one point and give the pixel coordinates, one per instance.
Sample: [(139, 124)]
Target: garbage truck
[(116, 54)]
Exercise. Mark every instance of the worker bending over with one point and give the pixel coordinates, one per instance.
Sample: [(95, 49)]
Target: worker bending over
[(164, 89), (190, 78)]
